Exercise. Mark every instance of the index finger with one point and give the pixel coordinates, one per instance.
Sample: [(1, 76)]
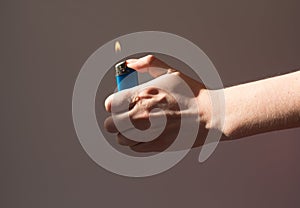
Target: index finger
[(149, 64)]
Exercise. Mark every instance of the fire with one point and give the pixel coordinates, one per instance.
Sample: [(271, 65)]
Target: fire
[(117, 47)]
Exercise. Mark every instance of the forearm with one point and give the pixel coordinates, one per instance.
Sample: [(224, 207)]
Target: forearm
[(262, 106)]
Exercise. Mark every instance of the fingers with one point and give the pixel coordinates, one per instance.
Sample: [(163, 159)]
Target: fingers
[(137, 117), (131, 61), (136, 113), (122, 140), (157, 144), (142, 147), (149, 64), (121, 123), (120, 101), (136, 146), (110, 126), (131, 108)]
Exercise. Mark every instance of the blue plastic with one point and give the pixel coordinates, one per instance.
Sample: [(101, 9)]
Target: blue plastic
[(128, 80)]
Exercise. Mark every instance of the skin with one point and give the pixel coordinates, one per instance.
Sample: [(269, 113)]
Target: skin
[(251, 108), (263, 106)]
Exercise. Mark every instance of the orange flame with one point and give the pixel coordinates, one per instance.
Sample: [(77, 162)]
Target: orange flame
[(117, 47)]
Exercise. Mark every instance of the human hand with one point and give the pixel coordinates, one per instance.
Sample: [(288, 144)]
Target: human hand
[(148, 117)]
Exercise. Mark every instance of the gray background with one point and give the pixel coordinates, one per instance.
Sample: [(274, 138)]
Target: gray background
[(45, 43)]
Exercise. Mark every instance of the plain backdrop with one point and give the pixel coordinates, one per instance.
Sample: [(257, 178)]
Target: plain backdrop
[(43, 47)]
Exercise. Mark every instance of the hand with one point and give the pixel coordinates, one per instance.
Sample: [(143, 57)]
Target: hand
[(147, 118)]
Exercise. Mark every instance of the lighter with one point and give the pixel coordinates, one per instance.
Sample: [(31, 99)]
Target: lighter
[(125, 76)]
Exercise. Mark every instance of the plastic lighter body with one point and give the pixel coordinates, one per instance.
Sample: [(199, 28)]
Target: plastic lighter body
[(125, 76)]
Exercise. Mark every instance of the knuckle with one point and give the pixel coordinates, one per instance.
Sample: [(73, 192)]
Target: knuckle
[(149, 91), (150, 59), (152, 91)]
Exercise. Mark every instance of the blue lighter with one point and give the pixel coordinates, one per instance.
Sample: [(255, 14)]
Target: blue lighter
[(125, 76)]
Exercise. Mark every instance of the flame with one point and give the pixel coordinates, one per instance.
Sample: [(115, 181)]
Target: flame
[(117, 47)]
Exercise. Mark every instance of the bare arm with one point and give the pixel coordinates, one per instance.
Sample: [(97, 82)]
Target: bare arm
[(262, 106), (251, 108)]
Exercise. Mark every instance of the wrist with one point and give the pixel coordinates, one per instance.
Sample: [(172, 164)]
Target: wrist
[(205, 108), (213, 115)]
